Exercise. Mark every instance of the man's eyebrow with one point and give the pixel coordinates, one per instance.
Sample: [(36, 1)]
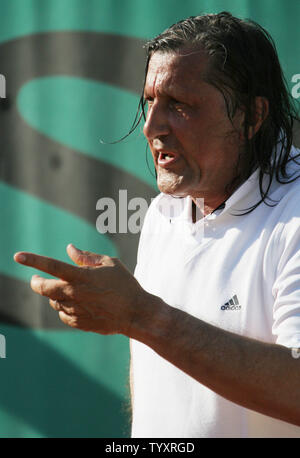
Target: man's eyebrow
[(169, 91)]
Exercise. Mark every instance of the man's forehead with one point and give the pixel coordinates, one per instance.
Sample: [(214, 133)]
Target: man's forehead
[(182, 65)]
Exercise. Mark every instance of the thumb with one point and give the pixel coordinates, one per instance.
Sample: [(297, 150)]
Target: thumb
[(84, 258)]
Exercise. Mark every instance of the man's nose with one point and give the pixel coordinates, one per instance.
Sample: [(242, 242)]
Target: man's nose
[(157, 122)]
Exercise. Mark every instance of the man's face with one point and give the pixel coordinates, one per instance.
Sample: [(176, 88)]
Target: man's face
[(194, 145)]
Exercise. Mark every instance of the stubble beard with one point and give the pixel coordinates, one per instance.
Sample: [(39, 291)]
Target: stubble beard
[(172, 183)]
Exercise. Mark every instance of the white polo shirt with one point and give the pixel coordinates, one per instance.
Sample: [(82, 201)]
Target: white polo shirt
[(240, 273)]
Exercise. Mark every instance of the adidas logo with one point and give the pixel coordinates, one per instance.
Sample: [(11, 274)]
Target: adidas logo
[(232, 304)]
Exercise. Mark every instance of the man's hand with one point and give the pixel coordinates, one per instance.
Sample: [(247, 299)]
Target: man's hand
[(99, 294)]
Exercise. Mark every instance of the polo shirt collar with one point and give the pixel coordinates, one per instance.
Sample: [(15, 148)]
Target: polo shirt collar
[(245, 196), (248, 193)]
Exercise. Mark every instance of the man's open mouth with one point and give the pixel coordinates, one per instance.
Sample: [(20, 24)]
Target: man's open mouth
[(166, 159)]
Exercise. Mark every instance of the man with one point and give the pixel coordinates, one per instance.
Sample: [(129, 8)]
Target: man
[(214, 318)]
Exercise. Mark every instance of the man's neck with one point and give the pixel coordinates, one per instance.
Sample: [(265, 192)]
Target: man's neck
[(199, 212), (205, 206)]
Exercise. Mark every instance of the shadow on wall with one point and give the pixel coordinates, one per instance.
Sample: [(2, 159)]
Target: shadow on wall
[(44, 391)]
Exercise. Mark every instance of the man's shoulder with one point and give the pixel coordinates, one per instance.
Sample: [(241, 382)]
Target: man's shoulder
[(286, 186)]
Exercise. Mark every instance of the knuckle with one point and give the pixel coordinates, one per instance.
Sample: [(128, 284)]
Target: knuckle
[(43, 288), (38, 285), (69, 291), (69, 309)]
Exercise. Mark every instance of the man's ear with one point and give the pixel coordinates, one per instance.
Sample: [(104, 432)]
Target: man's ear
[(261, 112)]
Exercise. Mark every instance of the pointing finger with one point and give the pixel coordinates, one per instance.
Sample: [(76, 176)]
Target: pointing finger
[(51, 266)]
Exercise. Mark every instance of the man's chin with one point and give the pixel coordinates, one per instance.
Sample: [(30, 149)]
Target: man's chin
[(172, 191), (173, 187)]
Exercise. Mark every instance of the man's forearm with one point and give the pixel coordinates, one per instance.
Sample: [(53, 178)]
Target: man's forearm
[(257, 375)]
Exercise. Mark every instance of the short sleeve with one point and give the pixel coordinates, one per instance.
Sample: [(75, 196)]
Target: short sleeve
[(286, 288)]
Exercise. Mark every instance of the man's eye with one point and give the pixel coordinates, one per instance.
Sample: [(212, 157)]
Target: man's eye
[(149, 100), (147, 103), (177, 105)]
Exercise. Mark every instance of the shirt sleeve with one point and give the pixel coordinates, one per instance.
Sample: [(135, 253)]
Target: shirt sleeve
[(286, 288)]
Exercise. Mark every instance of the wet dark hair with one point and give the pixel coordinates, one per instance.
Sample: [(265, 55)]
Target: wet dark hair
[(243, 64)]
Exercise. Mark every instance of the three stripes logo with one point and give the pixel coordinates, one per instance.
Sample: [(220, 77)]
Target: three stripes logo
[(232, 304)]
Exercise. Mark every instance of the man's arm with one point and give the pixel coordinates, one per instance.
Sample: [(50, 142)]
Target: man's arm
[(102, 296), (259, 376)]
